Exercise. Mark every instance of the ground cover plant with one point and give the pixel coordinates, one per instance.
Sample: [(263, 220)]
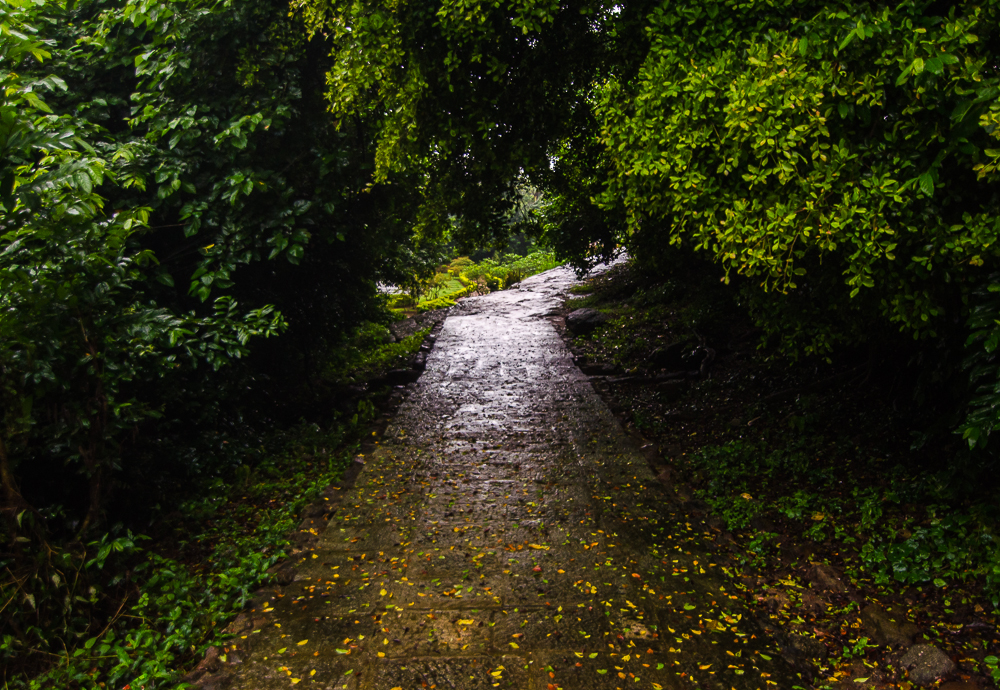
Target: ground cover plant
[(804, 467), (463, 277), (157, 604), (369, 354)]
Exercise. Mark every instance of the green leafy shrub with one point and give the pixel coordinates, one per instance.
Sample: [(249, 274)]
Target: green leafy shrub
[(951, 546), (742, 480), (369, 353), (87, 352), (400, 301), (445, 302), (502, 272), (462, 262), (981, 361), (169, 610), (142, 142)]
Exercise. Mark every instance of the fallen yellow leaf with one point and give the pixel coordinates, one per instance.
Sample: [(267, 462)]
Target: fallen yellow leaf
[(303, 642)]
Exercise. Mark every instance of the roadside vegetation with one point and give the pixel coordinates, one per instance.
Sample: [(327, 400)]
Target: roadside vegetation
[(186, 247), (463, 277), (142, 602), (142, 607), (801, 465), (199, 201)]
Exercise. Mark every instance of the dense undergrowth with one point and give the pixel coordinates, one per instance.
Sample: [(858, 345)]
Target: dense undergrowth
[(845, 463), (176, 593), (138, 604), (370, 354)]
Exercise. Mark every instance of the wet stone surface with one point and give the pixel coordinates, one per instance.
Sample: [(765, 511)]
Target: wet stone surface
[(507, 534)]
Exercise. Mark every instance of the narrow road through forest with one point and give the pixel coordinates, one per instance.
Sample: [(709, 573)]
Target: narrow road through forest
[(506, 534)]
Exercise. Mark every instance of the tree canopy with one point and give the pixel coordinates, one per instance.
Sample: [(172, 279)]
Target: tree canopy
[(838, 162), (165, 162), (199, 199), (787, 139)]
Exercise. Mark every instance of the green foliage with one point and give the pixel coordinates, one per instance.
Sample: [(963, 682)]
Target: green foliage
[(730, 478), (370, 353), (786, 480), (86, 355), (983, 414), (168, 609), (142, 142), (460, 263), (161, 164), (400, 301), (447, 300), (85, 346), (250, 188), (444, 284), (475, 92), (993, 667), (949, 547), (221, 153), (463, 277), (804, 140), (504, 271)]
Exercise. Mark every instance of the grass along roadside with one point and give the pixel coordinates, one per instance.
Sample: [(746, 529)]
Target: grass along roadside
[(841, 533)]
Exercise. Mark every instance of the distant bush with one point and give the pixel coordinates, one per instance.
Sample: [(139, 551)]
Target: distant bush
[(501, 273), (463, 277), (401, 301), (449, 300)]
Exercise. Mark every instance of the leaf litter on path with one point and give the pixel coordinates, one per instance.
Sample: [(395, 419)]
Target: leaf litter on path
[(508, 535)]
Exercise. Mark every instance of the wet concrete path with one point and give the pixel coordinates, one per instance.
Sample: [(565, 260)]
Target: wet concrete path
[(507, 534)]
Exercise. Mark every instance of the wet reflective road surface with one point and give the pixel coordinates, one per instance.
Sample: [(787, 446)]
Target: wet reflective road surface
[(507, 534)]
